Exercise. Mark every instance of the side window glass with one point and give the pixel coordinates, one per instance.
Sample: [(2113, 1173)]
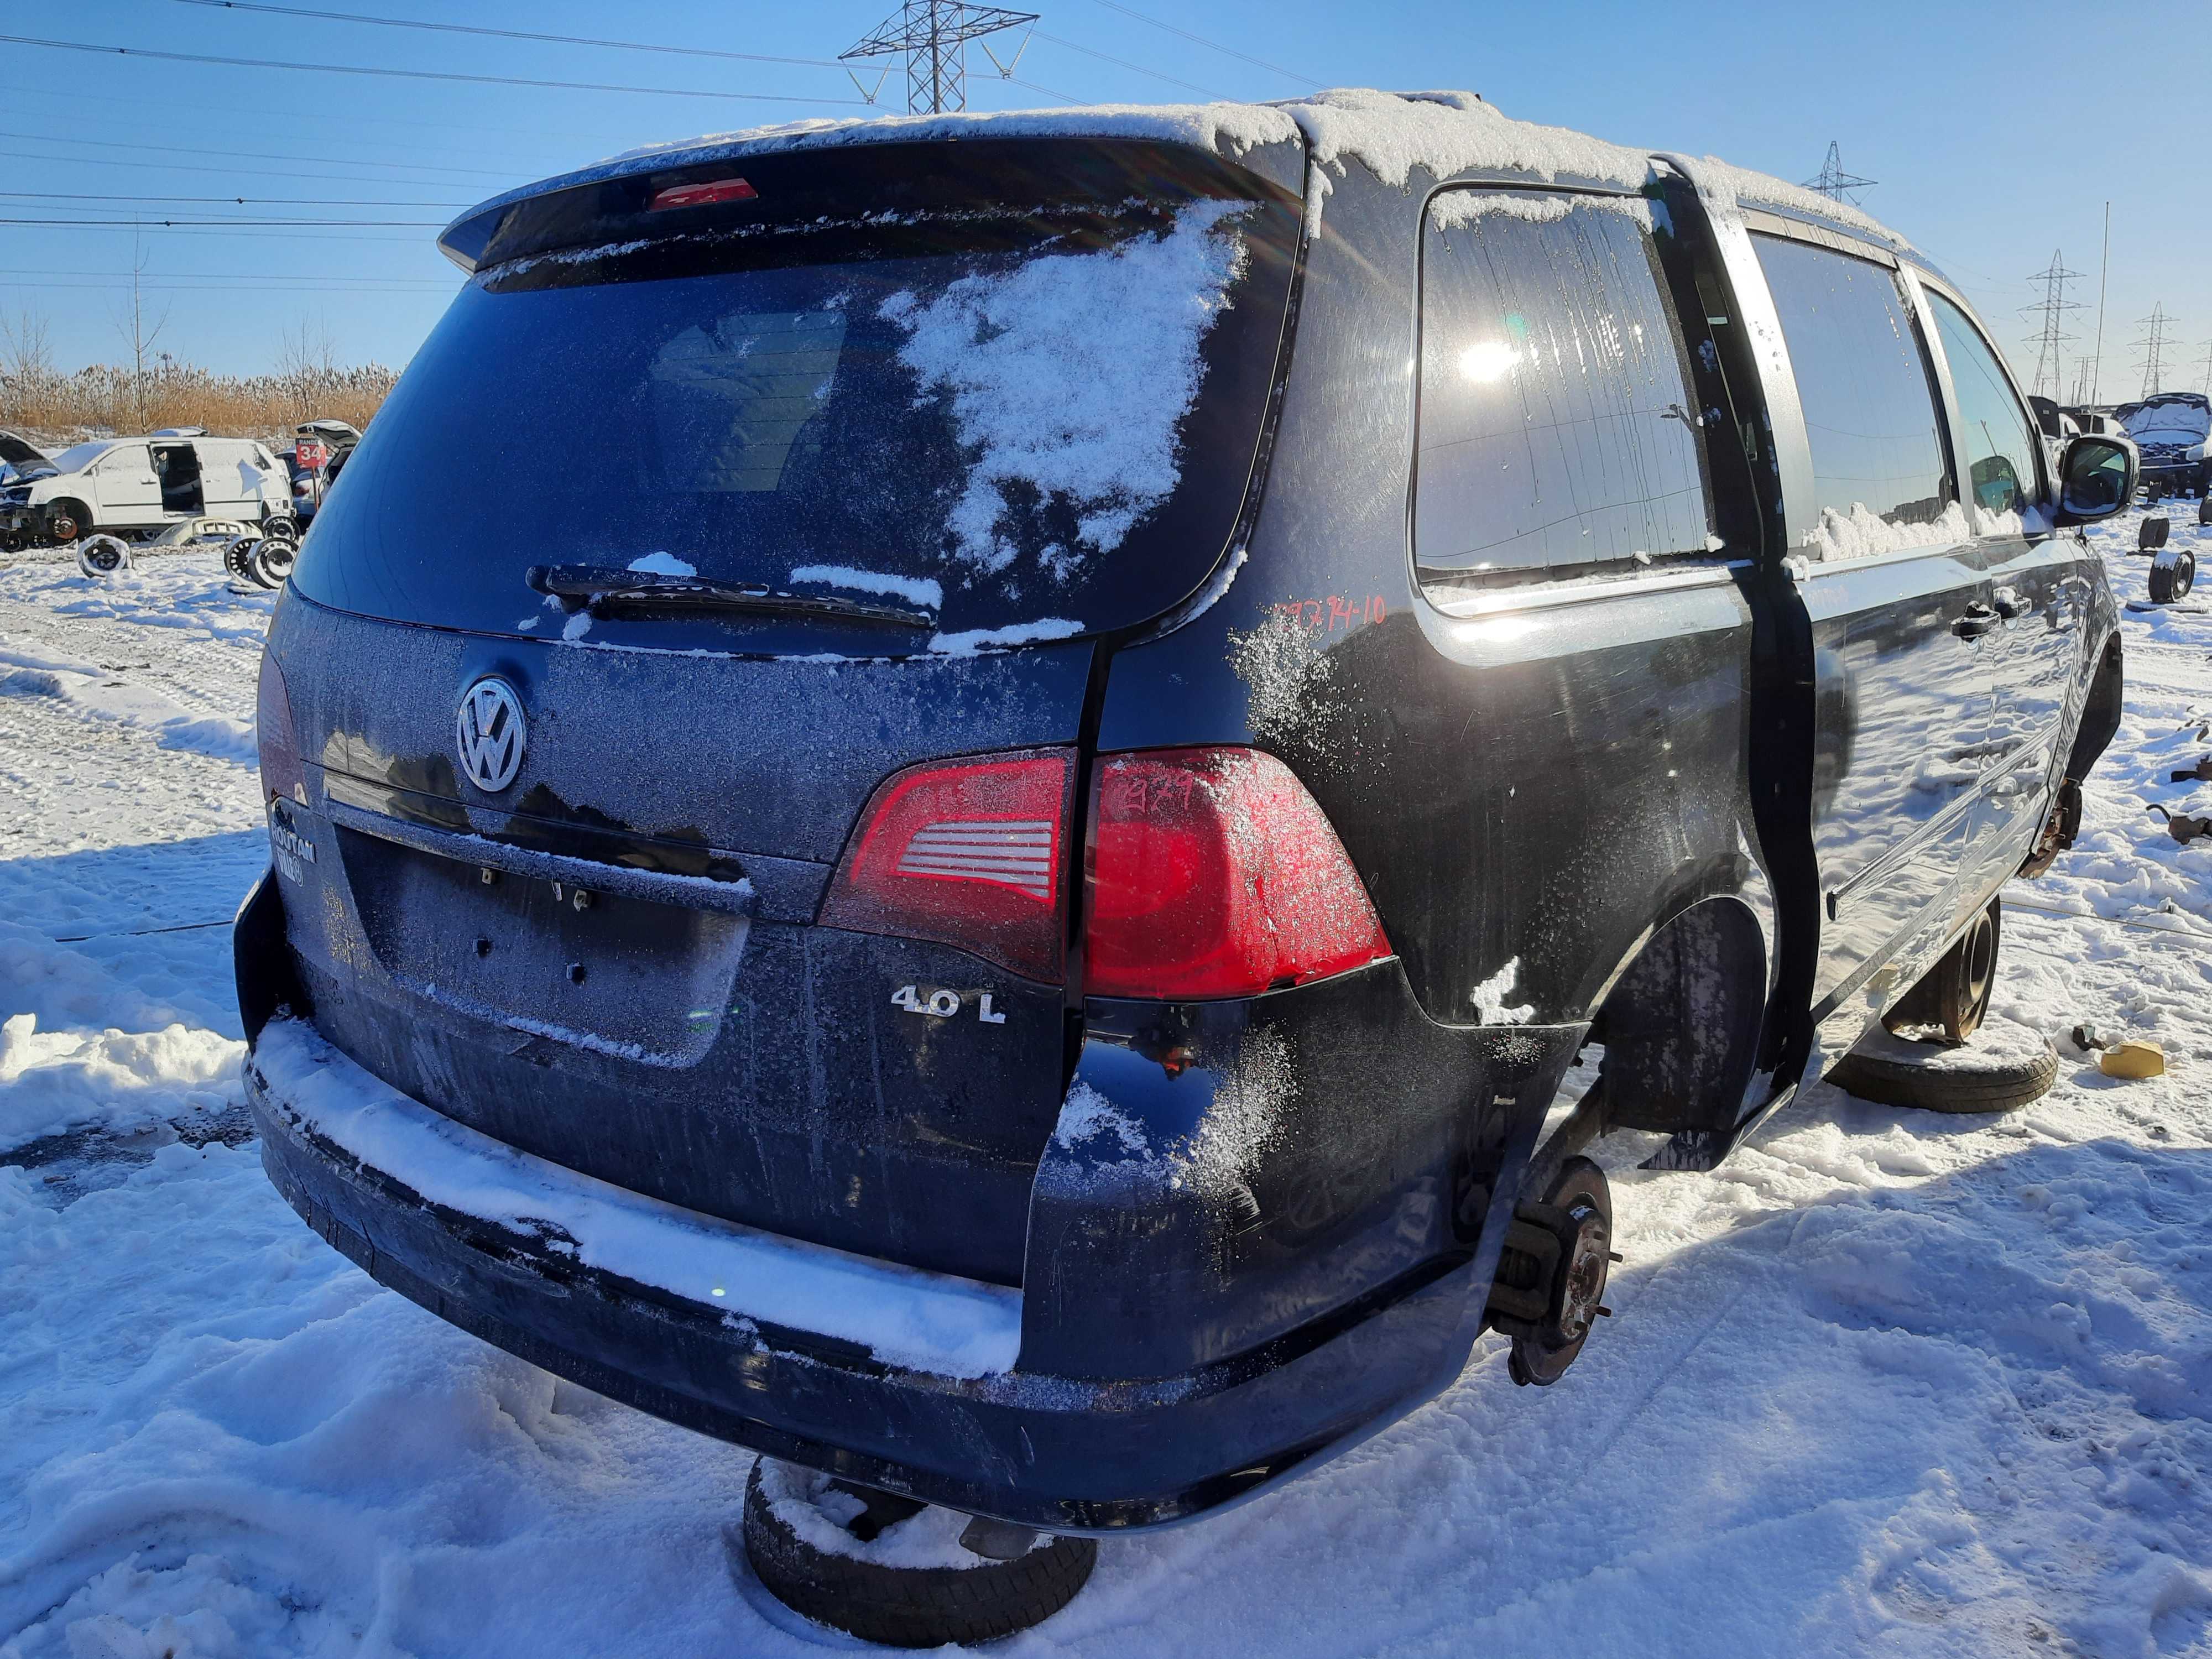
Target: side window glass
[(1868, 398), (1558, 427), (1996, 444)]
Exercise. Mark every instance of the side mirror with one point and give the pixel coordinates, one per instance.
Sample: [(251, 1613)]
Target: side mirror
[(2096, 478)]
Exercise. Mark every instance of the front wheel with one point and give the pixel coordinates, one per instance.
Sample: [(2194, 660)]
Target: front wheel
[(67, 522), (1954, 994)]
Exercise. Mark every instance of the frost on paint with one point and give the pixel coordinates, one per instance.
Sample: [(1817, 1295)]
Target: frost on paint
[(1068, 377)]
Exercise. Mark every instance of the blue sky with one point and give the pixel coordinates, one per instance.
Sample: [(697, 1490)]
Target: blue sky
[(1998, 133)]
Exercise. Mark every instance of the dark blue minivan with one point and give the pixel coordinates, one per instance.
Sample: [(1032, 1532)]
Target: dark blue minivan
[(979, 870)]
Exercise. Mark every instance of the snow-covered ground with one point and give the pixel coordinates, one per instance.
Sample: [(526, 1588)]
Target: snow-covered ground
[(1887, 1383)]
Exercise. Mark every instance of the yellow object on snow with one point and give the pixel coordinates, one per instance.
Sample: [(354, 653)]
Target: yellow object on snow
[(2133, 1059)]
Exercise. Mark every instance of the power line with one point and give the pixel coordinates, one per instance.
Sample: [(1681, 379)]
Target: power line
[(151, 223), (126, 287), (1065, 97), (241, 201), (1123, 63), (273, 112), (1214, 45), (507, 34), (255, 155), (411, 74), (217, 275), (233, 173)]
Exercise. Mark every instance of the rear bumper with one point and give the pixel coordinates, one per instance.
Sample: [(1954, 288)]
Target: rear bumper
[(1063, 1453), (1253, 1248)]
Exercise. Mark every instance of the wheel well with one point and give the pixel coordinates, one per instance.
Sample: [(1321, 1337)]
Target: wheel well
[(1681, 1026), (2100, 712)]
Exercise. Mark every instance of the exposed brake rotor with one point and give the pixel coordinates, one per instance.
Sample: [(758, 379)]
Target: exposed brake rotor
[(1550, 1288)]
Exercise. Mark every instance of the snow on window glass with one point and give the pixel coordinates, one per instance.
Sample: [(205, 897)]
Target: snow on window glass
[(1995, 440), (1068, 376), (1558, 426), (1869, 405)]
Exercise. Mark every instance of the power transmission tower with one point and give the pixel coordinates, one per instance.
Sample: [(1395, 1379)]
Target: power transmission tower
[(1834, 183), (2156, 338), (2207, 369), (2050, 364), (933, 36)]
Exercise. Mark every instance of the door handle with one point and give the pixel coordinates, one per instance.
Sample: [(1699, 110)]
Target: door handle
[(2011, 605), (1979, 619)]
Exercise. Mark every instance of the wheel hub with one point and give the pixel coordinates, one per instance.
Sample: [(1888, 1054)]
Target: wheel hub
[(1552, 1276)]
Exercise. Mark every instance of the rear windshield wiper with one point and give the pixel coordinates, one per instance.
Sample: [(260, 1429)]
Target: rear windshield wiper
[(604, 589)]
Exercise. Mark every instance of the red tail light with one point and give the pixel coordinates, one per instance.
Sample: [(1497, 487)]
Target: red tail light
[(967, 853), (281, 772), (1213, 874), (702, 195)]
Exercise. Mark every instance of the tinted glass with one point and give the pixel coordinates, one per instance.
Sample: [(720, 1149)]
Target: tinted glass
[(1558, 428), (1869, 405), (1998, 444), (1057, 432), (79, 455)]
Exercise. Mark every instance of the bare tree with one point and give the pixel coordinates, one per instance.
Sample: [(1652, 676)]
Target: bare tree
[(27, 347), (139, 332), (307, 364)]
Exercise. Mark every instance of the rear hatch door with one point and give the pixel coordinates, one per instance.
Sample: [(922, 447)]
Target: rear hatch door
[(716, 518)]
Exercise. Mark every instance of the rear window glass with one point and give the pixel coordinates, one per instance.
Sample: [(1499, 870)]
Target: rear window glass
[(1558, 427), (1869, 404), (1055, 435)]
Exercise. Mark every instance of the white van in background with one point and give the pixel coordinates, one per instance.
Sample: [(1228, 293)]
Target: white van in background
[(134, 487)]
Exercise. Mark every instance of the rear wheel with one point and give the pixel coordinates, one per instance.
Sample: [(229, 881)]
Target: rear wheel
[(2173, 576), (1550, 1278), (824, 1548)]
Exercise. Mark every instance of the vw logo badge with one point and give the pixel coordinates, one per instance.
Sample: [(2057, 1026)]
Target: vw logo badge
[(488, 731)]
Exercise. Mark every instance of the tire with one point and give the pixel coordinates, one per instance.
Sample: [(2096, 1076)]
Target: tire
[(2205, 510), (238, 557), (1954, 994), (910, 1606), (1893, 1071), (102, 555), (68, 521), (2173, 576)]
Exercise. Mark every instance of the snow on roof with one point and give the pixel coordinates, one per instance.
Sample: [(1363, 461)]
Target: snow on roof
[(1764, 189), (1391, 133)]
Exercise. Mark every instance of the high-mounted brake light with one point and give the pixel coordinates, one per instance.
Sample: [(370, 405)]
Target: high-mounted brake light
[(281, 772), (702, 195), (1213, 874), (968, 853)]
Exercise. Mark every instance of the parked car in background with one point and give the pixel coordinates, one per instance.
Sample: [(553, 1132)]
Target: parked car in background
[(316, 457), (2170, 429), (136, 487), (1026, 962), (21, 460)]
